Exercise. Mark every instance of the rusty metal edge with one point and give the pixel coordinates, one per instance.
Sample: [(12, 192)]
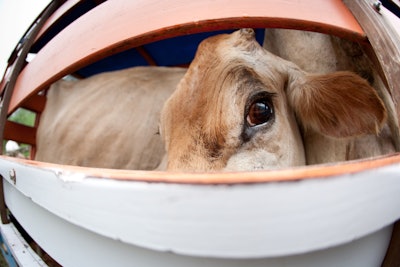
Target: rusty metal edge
[(382, 38)]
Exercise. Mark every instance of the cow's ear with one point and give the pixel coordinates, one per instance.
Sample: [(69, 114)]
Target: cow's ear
[(339, 104)]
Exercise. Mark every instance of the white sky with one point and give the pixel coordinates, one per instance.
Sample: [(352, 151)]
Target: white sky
[(15, 18)]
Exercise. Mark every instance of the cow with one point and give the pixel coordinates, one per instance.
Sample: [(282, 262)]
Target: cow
[(240, 107), (109, 120), (237, 107)]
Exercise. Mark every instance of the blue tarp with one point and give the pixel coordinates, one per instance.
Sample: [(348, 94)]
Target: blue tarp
[(176, 51)]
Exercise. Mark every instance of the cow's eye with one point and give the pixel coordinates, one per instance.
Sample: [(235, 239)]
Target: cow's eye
[(259, 112)]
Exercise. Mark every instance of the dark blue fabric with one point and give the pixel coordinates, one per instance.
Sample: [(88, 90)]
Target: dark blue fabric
[(176, 51)]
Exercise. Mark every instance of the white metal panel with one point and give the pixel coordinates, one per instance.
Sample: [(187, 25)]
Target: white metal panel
[(20, 250), (257, 223), (72, 245)]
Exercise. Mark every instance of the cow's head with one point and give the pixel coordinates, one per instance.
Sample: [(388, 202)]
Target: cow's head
[(236, 108)]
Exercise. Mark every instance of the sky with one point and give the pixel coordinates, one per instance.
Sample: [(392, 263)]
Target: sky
[(15, 18)]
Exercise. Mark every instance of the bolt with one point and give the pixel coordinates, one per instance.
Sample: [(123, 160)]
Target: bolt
[(377, 6), (13, 176)]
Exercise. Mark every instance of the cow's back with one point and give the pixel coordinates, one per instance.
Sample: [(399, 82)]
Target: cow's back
[(109, 120)]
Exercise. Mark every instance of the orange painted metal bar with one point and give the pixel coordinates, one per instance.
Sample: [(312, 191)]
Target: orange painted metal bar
[(117, 25), (35, 103), (142, 51), (20, 133), (285, 175)]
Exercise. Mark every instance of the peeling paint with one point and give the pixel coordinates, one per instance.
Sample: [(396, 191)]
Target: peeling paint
[(67, 176)]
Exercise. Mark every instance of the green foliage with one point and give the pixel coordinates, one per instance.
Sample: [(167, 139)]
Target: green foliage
[(24, 117)]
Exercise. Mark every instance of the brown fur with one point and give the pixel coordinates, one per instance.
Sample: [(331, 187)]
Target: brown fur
[(324, 54), (109, 120), (340, 104), (203, 121)]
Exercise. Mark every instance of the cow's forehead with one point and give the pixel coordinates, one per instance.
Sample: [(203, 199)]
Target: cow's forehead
[(241, 41), (238, 48)]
